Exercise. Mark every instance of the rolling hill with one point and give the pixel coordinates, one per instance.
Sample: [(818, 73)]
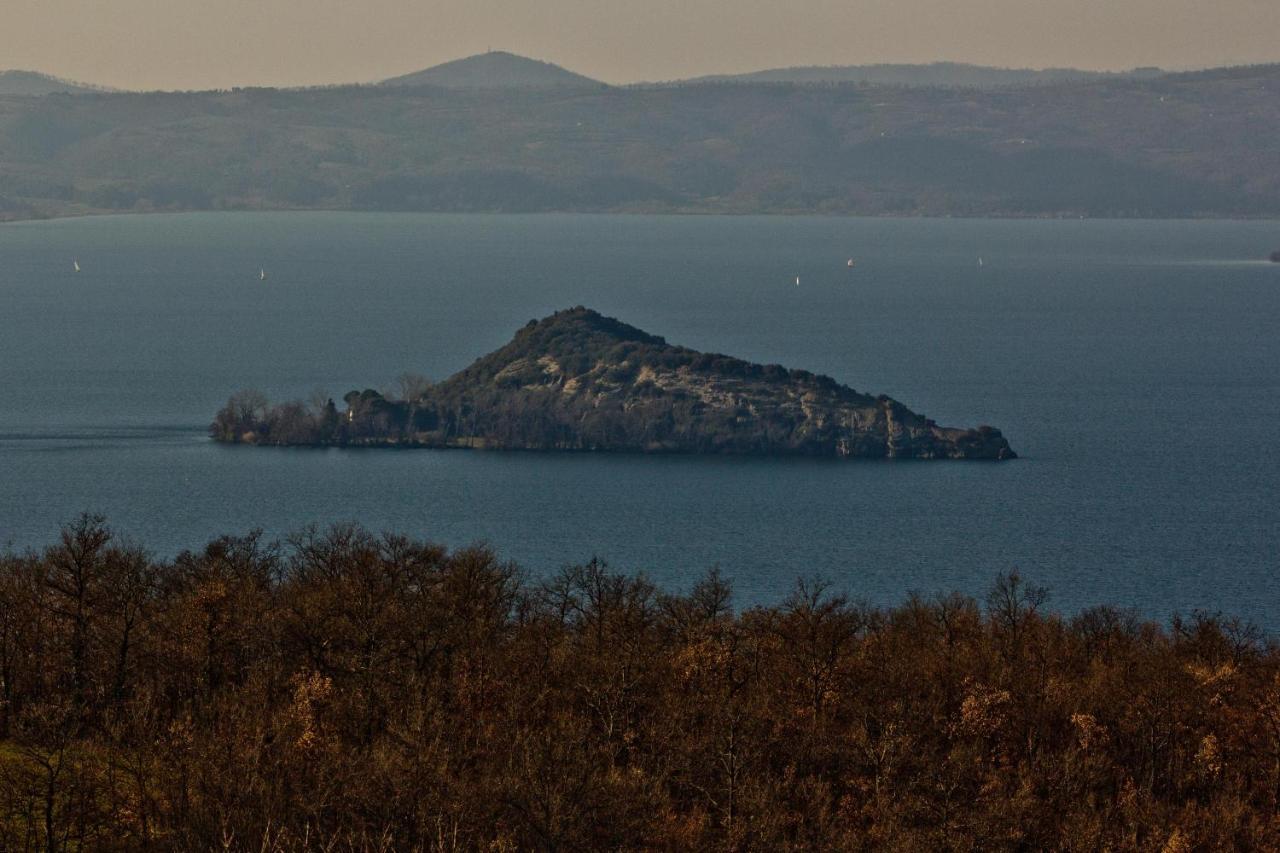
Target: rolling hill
[(28, 83), (496, 69)]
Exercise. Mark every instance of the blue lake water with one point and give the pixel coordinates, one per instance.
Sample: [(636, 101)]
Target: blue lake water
[(1135, 366)]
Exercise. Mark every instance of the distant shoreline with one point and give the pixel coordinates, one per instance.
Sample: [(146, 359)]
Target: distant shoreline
[(692, 213), (1177, 146)]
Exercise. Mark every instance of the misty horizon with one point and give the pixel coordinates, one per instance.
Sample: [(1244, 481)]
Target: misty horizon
[(746, 72), (183, 47)]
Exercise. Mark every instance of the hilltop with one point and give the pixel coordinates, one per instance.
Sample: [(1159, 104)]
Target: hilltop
[(496, 69), (577, 380), (29, 83)]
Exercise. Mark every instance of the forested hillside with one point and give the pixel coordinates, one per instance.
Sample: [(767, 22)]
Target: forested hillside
[(349, 691), (1175, 145)]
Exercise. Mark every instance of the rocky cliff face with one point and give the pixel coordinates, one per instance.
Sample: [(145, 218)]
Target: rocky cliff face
[(580, 381)]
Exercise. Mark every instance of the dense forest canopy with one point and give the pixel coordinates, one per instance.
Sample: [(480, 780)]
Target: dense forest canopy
[(1169, 145), (346, 690)]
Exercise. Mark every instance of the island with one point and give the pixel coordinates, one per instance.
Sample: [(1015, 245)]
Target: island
[(580, 381)]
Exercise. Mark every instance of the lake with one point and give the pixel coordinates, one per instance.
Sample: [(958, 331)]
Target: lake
[(1134, 366)]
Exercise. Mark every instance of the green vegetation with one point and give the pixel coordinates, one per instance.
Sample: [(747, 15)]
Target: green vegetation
[(1171, 145), (579, 381), (349, 691)]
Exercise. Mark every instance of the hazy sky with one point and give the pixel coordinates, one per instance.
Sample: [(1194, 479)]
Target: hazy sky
[(216, 43)]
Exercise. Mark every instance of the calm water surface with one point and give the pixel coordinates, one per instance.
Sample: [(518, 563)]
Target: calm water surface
[(1134, 365)]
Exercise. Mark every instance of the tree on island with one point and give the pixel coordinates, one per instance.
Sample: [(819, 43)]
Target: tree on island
[(577, 380)]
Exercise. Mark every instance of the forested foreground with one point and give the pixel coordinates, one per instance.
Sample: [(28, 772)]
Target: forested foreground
[(350, 691)]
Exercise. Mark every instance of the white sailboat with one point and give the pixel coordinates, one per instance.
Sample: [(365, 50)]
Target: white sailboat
[(849, 263), (76, 264), (262, 275), (797, 281), (980, 263)]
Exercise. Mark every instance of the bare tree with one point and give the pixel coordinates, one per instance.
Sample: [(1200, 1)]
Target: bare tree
[(319, 400), (249, 405), (412, 386)]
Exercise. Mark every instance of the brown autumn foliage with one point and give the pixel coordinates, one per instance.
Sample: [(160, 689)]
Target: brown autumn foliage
[(349, 691)]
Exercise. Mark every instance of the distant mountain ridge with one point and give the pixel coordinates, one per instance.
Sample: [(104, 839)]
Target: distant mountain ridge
[(503, 70), (1177, 145), (18, 82), (946, 74), (496, 69)]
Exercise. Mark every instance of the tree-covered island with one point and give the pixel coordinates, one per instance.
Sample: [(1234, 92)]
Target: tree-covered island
[(580, 381)]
